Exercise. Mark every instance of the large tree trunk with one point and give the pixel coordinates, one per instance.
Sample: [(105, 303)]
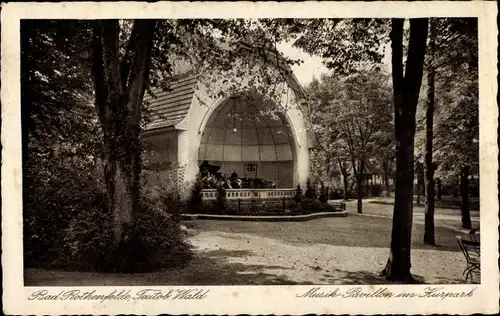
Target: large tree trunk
[(429, 230), (359, 179), (119, 90), (406, 93), (385, 165), (464, 194)]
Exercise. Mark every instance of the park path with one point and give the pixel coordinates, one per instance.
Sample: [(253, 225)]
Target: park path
[(443, 217), (228, 258), (324, 263), (348, 250)]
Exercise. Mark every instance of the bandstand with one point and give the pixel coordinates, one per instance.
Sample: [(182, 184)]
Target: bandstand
[(267, 151)]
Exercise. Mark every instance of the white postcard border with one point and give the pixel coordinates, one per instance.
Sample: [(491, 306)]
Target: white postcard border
[(248, 299)]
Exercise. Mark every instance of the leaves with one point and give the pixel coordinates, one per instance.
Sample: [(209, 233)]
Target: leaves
[(346, 45), (456, 121), (352, 117)]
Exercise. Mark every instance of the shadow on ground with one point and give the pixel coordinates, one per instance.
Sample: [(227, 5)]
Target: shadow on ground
[(207, 268), (351, 231), (342, 277)]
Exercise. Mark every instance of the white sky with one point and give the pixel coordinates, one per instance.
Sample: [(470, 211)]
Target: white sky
[(312, 66)]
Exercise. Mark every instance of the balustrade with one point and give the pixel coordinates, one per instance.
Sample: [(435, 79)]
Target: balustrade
[(249, 194)]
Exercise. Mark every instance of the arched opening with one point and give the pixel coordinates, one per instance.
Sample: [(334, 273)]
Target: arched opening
[(243, 137)]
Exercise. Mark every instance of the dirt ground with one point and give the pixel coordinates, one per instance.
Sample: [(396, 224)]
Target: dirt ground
[(350, 250)]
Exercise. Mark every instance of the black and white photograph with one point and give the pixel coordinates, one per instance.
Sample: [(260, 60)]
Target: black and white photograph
[(252, 151)]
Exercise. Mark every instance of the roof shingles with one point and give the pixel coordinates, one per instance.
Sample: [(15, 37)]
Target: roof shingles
[(169, 107)]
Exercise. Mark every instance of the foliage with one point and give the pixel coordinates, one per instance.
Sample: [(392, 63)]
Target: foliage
[(62, 169), (376, 189), (320, 166), (196, 200), (310, 192), (164, 185), (323, 193), (221, 201), (352, 118), (457, 121), (345, 45), (158, 243), (298, 195), (52, 205)]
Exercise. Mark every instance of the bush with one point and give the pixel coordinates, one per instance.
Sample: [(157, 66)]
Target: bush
[(164, 186), (298, 195), (323, 194), (311, 205), (336, 194), (195, 204), (376, 189), (49, 206), (155, 242), (310, 193), (221, 202)]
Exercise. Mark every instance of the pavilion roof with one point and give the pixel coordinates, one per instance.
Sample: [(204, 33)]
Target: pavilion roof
[(170, 106)]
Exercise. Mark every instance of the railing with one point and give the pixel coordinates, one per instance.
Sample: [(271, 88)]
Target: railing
[(250, 194)]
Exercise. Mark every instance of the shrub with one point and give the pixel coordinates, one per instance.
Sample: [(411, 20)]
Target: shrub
[(323, 194), (336, 193), (221, 201), (195, 204), (164, 185), (296, 207), (155, 242), (298, 195), (311, 205), (310, 194), (376, 189), (50, 203)]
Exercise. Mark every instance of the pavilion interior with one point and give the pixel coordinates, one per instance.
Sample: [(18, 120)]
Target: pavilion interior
[(243, 136)]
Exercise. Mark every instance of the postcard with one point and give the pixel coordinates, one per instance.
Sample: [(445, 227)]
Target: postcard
[(249, 158)]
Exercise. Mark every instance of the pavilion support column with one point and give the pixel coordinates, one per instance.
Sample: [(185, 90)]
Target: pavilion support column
[(302, 165), (187, 157)]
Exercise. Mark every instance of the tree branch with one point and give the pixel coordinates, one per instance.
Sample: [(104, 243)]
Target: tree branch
[(143, 34), (415, 60), (396, 36)]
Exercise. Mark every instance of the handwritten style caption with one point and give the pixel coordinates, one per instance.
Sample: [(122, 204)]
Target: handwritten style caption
[(435, 292), (121, 295), (383, 292)]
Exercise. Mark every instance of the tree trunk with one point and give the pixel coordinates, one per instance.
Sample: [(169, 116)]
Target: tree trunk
[(429, 230), (406, 92), (385, 165), (438, 189), (419, 182), (119, 90), (464, 193), (360, 179), (344, 178)]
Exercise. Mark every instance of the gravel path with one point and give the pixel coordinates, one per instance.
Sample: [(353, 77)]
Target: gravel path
[(349, 250), (242, 253), (324, 263)]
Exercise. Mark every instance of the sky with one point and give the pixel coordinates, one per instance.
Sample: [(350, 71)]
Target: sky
[(312, 66)]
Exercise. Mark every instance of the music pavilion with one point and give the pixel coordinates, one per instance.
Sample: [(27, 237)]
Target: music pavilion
[(191, 129)]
